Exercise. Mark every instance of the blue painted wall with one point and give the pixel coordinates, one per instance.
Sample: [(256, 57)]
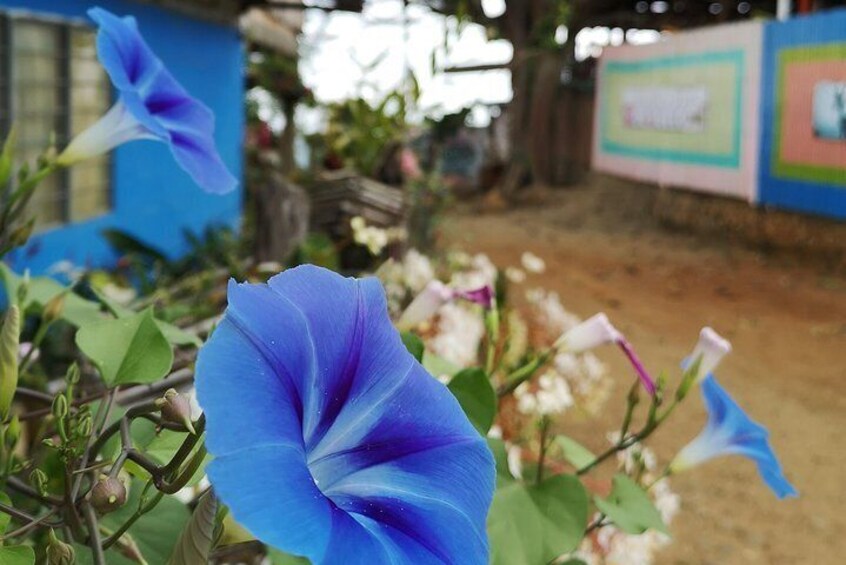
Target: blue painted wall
[(813, 191), (153, 199)]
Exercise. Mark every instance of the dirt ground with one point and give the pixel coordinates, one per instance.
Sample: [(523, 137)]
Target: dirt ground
[(785, 317)]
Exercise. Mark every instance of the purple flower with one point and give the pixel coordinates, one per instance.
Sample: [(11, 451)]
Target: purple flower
[(330, 440), (598, 330), (434, 296), (151, 105), (731, 432)]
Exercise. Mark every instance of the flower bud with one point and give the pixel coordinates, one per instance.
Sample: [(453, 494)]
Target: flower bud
[(60, 407), (20, 235), (176, 409), (54, 307), (72, 376), (710, 350), (59, 552), (38, 479), (108, 494), (85, 425), (593, 332)]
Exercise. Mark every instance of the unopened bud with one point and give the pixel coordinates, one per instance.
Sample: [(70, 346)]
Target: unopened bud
[(72, 376), (108, 494), (176, 409), (38, 479), (59, 552), (85, 425), (60, 406), (23, 288), (20, 235), (54, 307)]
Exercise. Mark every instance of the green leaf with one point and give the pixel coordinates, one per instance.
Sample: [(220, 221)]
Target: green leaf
[(175, 335), (17, 555), (4, 518), (630, 507), (414, 345), (474, 392), (575, 453), (10, 330), (76, 310), (198, 537), (6, 157), (532, 524), (437, 366), (503, 473), (127, 350)]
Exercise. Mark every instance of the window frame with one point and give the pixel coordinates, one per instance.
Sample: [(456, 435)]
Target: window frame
[(64, 26)]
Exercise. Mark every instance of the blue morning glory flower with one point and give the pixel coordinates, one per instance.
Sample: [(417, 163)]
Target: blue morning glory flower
[(730, 431), (151, 105), (330, 440)]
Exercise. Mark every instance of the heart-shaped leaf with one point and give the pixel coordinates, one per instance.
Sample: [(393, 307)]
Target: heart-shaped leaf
[(474, 392), (630, 507), (532, 524), (127, 350)]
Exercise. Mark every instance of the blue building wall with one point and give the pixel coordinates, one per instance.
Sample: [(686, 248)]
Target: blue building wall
[(153, 199), (810, 183)]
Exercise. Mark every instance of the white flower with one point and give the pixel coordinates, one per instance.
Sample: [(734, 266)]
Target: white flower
[(515, 275), (425, 305), (532, 263), (552, 396), (593, 332), (712, 347), (417, 270), (459, 332)]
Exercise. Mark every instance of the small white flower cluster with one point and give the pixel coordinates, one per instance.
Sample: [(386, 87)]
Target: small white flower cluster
[(474, 272), (614, 547), (549, 312), (373, 238), (405, 278), (550, 396), (458, 334)]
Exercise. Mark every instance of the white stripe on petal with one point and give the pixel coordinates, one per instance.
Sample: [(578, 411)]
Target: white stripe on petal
[(116, 127)]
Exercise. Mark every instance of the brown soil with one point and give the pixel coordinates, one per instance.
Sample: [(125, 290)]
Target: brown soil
[(785, 317)]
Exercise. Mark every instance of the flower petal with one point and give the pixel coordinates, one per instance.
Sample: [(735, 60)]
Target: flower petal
[(271, 493), (405, 474)]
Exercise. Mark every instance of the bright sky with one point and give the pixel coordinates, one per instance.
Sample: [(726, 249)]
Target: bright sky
[(337, 48)]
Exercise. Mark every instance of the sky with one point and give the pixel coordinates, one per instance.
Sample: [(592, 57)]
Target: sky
[(346, 55)]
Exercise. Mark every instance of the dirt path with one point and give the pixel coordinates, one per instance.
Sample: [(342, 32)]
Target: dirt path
[(787, 323)]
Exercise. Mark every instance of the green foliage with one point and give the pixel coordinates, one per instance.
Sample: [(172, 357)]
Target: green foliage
[(414, 345), (575, 453), (532, 524), (317, 249), (198, 538), (127, 350), (17, 555), (360, 133), (630, 507), (474, 392), (10, 329), (153, 536)]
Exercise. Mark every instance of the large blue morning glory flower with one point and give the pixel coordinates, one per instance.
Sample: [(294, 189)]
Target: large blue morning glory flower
[(330, 440), (730, 431), (151, 105)]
